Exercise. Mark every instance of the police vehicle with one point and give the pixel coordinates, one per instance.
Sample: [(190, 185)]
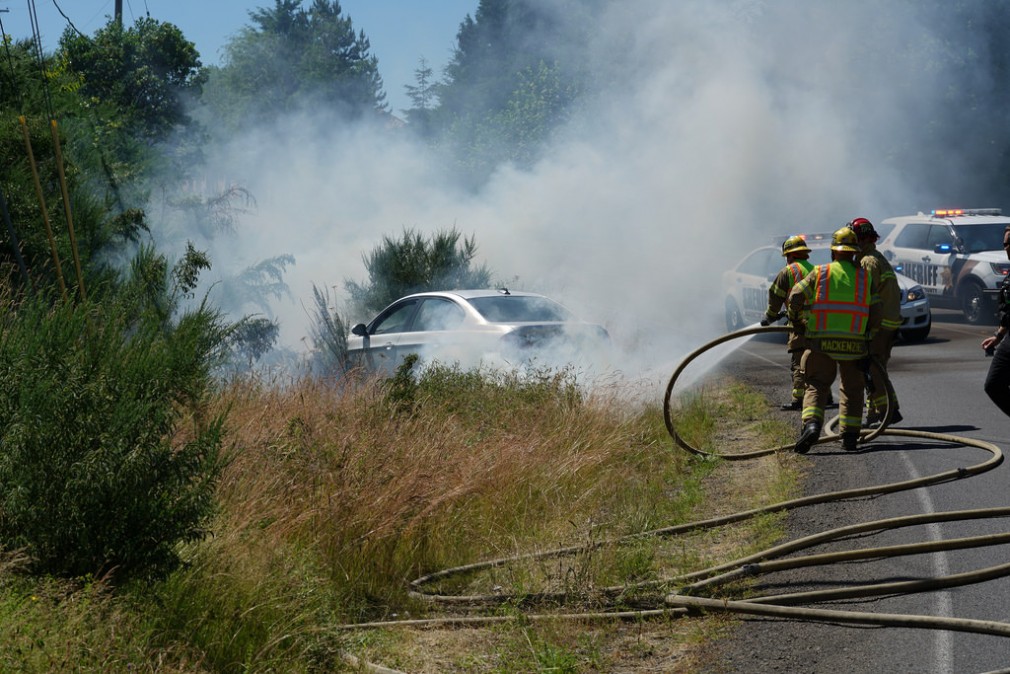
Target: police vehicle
[(746, 288), (956, 255)]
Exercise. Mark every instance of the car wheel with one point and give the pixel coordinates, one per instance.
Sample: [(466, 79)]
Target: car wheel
[(916, 334), (734, 319), (975, 306)]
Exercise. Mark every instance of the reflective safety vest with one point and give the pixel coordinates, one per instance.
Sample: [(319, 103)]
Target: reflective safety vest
[(840, 298), (795, 272), (798, 270)]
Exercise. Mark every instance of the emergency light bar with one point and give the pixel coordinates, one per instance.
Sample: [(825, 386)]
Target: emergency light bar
[(955, 212)]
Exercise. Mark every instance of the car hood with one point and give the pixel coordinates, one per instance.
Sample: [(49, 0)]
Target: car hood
[(994, 256), (905, 282)]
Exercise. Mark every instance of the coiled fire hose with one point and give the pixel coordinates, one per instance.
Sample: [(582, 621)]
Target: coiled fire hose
[(682, 599)]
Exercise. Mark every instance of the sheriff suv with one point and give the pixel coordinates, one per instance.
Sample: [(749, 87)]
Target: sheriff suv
[(745, 287), (955, 255)]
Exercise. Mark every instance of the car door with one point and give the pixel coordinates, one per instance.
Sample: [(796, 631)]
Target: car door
[(381, 346), (434, 330), (914, 253)]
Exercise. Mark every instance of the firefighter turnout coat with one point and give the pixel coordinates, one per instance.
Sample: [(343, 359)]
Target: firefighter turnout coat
[(788, 276)]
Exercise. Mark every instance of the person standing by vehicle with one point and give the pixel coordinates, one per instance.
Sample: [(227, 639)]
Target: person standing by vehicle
[(843, 310), (796, 252), (878, 384), (997, 381)]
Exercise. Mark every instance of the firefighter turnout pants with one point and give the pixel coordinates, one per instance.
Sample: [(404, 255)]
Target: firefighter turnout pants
[(880, 349), (819, 370)]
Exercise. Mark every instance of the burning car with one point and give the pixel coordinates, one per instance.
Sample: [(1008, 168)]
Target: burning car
[(474, 327)]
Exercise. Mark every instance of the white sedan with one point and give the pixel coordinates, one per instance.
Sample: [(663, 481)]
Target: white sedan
[(475, 327)]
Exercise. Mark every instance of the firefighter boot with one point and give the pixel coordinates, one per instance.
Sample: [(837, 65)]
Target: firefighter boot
[(794, 405), (811, 431), (849, 440), (873, 420)]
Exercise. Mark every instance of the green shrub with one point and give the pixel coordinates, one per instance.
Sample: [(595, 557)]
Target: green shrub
[(90, 397)]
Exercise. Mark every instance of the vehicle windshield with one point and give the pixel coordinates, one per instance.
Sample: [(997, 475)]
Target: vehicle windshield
[(981, 237), (519, 309)]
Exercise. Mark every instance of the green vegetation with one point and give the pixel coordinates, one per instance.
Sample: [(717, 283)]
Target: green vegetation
[(414, 263), (294, 58), (99, 475)]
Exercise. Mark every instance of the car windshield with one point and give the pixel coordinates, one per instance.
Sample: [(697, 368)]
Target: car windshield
[(519, 309), (981, 237)]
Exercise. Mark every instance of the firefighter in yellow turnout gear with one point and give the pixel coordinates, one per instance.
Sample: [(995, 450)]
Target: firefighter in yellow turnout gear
[(796, 252), (843, 312), (890, 309)]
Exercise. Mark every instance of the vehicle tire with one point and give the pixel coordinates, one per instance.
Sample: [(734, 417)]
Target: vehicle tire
[(976, 307), (915, 334), (734, 319)]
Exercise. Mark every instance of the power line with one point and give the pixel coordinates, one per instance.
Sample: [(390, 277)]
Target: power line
[(64, 15)]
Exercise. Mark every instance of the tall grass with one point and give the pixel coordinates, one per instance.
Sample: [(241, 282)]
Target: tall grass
[(334, 496)]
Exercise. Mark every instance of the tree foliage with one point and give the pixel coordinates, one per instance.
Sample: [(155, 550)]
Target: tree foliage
[(511, 81), (293, 57), (423, 97), (411, 264), (149, 72)]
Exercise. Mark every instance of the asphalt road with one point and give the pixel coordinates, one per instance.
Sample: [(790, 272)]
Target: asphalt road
[(939, 383)]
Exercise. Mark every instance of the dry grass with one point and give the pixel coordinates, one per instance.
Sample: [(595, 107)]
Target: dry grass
[(334, 498)]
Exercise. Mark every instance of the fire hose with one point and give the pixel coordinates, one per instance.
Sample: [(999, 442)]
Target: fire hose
[(682, 592)]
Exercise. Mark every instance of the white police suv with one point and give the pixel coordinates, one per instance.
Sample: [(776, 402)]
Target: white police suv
[(956, 255), (746, 288)]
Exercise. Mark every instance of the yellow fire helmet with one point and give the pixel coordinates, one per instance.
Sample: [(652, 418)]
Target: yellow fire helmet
[(844, 241), (794, 244)]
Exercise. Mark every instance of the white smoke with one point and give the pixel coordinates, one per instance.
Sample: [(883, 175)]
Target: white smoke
[(717, 125)]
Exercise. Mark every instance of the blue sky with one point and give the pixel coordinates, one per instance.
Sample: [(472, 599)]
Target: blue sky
[(400, 31)]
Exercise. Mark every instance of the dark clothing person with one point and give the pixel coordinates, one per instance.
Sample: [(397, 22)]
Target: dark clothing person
[(997, 382)]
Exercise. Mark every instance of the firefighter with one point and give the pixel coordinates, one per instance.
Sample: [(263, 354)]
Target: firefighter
[(997, 381), (796, 253), (843, 311), (878, 385)]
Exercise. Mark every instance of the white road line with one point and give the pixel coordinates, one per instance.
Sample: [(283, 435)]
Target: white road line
[(943, 644), (765, 359)]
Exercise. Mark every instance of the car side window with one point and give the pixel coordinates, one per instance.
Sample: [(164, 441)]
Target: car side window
[(913, 236), (758, 263), (938, 234), (436, 313), (883, 229), (396, 320)]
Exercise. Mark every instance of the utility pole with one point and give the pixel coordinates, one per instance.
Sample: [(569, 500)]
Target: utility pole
[(119, 13)]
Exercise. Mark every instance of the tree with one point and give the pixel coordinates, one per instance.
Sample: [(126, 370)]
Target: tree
[(42, 88), (508, 86), (415, 264), (150, 72), (423, 96), (291, 58)]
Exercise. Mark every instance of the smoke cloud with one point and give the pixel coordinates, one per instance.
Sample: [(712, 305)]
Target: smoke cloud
[(715, 126)]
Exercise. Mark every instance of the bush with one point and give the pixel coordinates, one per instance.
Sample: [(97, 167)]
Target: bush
[(413, 264), (90, 397)]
